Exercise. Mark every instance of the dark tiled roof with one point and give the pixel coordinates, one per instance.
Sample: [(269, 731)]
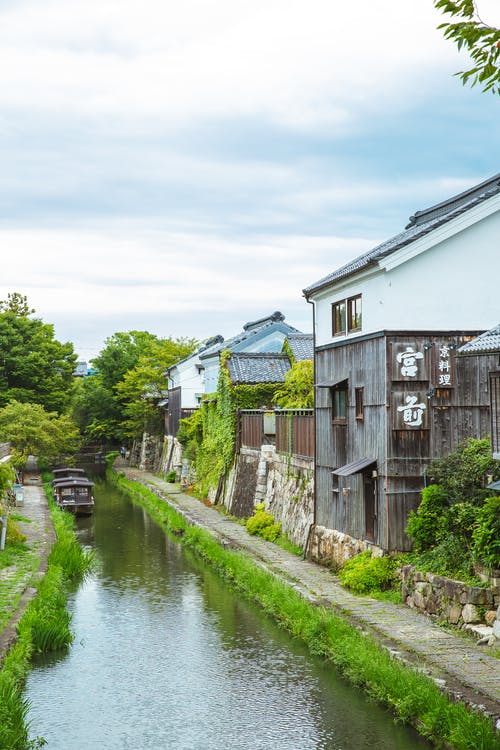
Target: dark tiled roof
[(251, 329), (212, 343), (247, 367), (301, 345), (421, 223), (487, 342)]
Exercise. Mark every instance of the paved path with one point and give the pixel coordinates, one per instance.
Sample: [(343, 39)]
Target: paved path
[(466, 670), (40, 537)]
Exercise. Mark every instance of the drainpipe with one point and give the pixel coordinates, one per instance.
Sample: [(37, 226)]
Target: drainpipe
[(313, 524)]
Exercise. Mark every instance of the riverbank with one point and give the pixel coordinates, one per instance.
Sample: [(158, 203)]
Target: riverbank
[(461, 670), (40, 537), (39, 622)]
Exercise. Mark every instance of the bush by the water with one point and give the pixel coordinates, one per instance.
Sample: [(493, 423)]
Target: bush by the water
[(365, 573), (262, 524), (457, 524)]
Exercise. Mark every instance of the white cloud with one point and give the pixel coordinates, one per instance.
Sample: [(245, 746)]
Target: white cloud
[(302, 64)]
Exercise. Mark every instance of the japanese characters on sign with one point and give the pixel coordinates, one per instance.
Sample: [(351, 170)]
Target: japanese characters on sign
[(412, 412), (409, 362), (444, 375)]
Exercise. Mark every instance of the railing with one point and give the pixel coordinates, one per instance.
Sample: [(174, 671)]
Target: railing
[(295, 432), (251, 428), (292, 430), (172, 421)]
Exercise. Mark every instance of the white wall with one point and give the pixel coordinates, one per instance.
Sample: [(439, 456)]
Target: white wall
[(451, 286), (187, 376)]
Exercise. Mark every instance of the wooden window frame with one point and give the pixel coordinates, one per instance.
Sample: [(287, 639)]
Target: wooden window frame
[(336, 390), (339, 318), (346, 316), (354, 314), (359, 403)]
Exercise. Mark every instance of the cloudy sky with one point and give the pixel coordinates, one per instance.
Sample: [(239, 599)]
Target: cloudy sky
[(184, 167)]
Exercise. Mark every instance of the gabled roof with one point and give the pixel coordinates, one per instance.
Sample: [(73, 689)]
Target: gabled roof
[(251, 368), (301, 345), (421, 223), (253, 329), (209, 344), (487, 343)]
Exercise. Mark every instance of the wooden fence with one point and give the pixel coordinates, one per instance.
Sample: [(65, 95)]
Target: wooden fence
[(291, 430)]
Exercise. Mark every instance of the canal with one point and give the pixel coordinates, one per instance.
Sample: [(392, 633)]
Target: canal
[(165, 655)]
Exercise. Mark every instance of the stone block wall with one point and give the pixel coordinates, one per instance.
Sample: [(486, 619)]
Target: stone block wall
[(285, 484), (333, 548), (450, 601)]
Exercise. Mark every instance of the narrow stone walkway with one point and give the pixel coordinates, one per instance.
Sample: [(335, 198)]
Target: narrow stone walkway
[(461, 667), (40, 537)]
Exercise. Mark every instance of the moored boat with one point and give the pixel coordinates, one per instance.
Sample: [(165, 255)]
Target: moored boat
[(74, 493)]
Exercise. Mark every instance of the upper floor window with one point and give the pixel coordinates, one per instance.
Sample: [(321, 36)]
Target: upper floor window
[(346, 316), (358, 393), (339, 402)]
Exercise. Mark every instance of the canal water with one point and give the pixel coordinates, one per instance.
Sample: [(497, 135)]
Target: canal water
[(166, 656)]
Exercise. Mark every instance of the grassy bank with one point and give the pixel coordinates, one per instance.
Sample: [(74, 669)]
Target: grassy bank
[(45, 626), (412, 697)]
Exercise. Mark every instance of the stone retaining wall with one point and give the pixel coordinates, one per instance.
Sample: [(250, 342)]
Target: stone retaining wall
[(450, 601), (333, 548), (285, 484)]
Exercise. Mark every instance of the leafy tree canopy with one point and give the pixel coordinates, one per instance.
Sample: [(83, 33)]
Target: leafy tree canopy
[(298, 390), (34, 366), (16, 303), (481, 40), (144, 385), (118, 402), (31, 430)]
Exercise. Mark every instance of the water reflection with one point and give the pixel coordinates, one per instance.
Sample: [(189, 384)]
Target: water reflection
[(165, 656)]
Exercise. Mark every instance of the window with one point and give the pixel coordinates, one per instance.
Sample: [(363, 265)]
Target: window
[(358, 392), (338, 318), (339, 402), (354, 314), (346, 316)]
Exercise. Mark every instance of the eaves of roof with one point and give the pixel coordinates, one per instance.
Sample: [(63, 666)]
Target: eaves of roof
[(253, 335), (421, 224), (487, 343)]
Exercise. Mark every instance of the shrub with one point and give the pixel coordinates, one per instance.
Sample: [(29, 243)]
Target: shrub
[(425, 526), (448, 558), (364, 573), (486, 534), (14, 534), (262, 524), (463, 472), (171, 476)]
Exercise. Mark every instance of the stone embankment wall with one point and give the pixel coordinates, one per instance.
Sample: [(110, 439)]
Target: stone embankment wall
[(333, 548), (452, 601), (285, 484)]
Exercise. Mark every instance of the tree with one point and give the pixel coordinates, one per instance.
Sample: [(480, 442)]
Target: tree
[(32, 431), (297, 391), (16, 303), (34, 366), (144, 385), (118, 402), (480, 39)]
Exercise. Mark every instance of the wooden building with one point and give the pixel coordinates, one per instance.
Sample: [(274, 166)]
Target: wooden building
[(485, 354), (391, 393)]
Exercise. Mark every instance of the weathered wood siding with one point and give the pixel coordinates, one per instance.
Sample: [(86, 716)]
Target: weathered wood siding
[(420, 400), (495, 412), (340, 499)]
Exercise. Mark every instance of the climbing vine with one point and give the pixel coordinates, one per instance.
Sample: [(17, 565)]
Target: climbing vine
[(209, 435)]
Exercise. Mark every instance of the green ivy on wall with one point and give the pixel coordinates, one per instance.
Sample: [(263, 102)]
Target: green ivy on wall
[(209, 435)]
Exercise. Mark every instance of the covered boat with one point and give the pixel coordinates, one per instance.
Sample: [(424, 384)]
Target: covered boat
[(74, 494)]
